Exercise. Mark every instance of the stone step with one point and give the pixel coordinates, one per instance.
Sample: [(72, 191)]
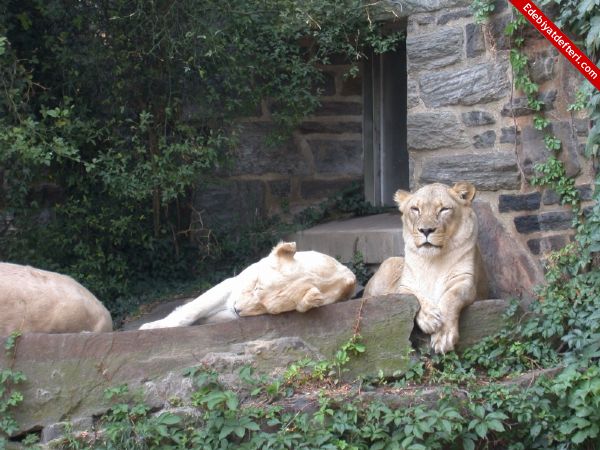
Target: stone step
[(376, 237)]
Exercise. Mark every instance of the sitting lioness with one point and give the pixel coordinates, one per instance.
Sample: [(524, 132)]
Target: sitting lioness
[(37, 301), (285, 280), (442, 266)]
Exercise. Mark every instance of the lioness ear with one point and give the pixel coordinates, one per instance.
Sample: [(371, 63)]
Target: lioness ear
[(284, 250), (400, 197), (465, 191)]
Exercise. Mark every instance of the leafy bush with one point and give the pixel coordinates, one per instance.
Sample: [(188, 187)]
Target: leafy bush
[(111, 113)]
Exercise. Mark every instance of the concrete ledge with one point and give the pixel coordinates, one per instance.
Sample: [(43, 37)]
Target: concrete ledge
[(377, 237)]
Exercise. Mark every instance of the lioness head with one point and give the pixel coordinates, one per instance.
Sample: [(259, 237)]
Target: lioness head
[(437, 216)]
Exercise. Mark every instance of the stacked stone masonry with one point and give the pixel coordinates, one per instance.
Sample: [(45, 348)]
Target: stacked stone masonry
[(322, 157), (464, 121)]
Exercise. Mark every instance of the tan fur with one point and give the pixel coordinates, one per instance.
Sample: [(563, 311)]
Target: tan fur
[(37, 301), (442, 266), (285, 280)]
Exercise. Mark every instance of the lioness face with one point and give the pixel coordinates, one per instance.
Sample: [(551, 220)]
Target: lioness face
[(433, 214)]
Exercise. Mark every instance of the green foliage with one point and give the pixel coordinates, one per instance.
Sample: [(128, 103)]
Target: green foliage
[(9, 396), (120, 109), (482, 10), (551, 173), (346, 203), (358, 267)]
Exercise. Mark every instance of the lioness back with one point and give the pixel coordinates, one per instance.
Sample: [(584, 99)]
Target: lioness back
[(38, 301)]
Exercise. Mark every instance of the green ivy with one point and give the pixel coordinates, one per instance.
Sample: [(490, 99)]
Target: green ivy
[(121, 109)]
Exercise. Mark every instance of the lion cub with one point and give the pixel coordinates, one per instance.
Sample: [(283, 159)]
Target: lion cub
[(442, 266)]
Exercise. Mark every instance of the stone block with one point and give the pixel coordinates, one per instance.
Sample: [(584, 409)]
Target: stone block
[(315, 189), (435, 130), (482, 318), (255, 156), (547, 244), (376, 237), (280, 188), (519, 202), (475, 40), (337, 127), (582, 126), (510, 135), (337, 108), (549, 221), (488, 172), (412, 89), (550, 197), (60, 429), (405, 8), (351, 86), (341, 157), (499, 41), (520, 105), (230, 202), (68, 373), (511, 270), (443, 19), (534, 151), (556, 220), (434, 50), (326, 85), (478, 320), (486, 139), (527, 224), (479, 83), (477, 118), (570, 147), (541, 66)]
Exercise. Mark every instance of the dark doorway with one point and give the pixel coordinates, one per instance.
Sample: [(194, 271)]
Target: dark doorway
[(385, 150)]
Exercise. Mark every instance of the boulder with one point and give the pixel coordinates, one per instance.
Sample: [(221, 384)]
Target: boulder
[(512, 271), (68, 373)]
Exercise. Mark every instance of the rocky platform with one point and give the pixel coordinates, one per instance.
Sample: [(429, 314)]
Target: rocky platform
[(67, 374)]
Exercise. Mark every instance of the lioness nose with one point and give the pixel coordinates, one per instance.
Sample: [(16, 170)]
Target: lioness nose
[(426, 231)]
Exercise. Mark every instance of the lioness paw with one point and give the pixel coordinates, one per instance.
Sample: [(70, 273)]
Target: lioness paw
[(444, 340), (155, 325), (429, 320)]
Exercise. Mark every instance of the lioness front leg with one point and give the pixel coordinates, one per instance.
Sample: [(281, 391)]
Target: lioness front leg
[(313, 298), (429, 318), (451, 304)]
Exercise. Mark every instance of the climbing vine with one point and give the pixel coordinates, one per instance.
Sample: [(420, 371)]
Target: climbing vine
[(112, 113)]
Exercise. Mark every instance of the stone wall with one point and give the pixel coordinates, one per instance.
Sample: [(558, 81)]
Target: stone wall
[(464, 122), (322, 157)]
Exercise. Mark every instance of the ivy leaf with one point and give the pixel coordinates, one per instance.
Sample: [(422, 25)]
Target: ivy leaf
[(468, 444)]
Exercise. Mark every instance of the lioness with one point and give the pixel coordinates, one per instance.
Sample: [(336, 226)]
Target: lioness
[(442, 266), (285, 280), (37, 301)]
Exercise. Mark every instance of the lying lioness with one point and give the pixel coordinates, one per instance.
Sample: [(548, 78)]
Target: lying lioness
[(442, 266), (37, 301), (285, 280)]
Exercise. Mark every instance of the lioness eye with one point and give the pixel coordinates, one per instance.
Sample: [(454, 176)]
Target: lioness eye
[(444, 210), (414, 209)]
